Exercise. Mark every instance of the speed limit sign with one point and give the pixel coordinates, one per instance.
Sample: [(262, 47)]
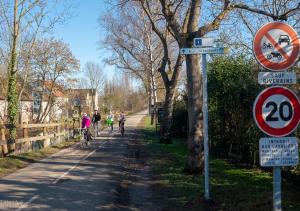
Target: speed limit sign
[(277, 111)]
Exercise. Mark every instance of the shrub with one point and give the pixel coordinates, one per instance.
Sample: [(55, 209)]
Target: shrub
[(232, 89)]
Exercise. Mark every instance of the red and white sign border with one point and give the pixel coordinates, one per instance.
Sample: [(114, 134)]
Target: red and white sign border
[(258, 117), (257, 48)]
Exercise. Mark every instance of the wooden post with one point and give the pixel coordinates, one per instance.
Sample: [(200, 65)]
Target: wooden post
[(57, 138), (25, 131), (66, 131), (26, 144), (44, 131), (45, 141), (4, 146), (58, 127)]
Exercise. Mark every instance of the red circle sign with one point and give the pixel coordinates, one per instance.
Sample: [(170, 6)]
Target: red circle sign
[(276, 46), (276, 111)]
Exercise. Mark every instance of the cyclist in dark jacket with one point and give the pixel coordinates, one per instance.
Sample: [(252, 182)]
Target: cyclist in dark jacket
[(96, 122)]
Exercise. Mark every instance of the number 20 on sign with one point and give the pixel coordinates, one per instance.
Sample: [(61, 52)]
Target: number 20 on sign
[(277, 111)]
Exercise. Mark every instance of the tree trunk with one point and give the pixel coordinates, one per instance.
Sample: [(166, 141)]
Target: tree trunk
[(12, 97), (165, 128), (149, 103), (195, 161)]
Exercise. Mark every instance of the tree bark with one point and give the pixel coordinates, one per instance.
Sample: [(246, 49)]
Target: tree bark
[(165, 129), (12, 97), (195, 159)]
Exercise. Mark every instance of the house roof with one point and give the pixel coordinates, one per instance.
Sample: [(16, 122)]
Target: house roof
[(57, 90)]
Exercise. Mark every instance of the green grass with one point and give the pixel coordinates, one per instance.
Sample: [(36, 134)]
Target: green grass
[(12, 163), (168, 162), (232, 187)]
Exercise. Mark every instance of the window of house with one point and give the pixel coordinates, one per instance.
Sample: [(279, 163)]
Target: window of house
[(37, 102)]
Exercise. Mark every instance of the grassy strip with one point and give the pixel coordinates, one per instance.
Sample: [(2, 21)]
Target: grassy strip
[(232, 188), (12, 163)]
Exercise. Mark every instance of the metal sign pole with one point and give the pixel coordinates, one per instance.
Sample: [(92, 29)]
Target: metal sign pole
[(277, 188), (205, 128), (204, 46)]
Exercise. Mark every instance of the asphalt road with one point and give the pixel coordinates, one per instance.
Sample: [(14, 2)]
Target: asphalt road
[(99, 177)]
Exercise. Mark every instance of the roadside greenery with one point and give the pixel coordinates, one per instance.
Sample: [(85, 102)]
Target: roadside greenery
[(232, 187), (232, 88)]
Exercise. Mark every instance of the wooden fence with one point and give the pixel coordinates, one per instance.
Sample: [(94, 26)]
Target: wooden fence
[(35, 136)]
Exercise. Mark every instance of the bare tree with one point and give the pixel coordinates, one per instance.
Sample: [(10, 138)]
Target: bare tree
[(210, 15), (171, 62), (52, 60), (23, 22), (120, 95), (95, 79), (135, 47)]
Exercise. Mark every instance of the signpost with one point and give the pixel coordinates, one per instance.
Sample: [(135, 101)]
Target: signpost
[(269, 78), (276, 110), (204, 45)]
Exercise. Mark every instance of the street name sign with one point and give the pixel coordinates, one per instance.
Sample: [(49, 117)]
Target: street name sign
[(204, 49), (276, 111), (208, 50), (276, 78), (203, 42), (276, 46), (278, 151)]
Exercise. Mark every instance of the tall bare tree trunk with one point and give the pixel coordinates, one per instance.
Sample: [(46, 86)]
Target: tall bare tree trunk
[(195, 136), (167, 117), (195, 161), (12, 97)]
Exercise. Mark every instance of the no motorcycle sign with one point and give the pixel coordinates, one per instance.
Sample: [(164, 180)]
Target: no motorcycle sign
[(276, 46)]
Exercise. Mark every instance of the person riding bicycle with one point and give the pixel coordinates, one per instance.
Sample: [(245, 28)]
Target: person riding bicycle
[(110, 120), (96, 122), (85, 124), (121, 119)]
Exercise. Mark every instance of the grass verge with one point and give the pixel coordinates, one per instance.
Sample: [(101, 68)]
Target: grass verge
[(232, 187), (12, 163)]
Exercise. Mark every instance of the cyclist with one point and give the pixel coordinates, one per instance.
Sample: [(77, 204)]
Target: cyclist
[(110, 120), (96, 121), (85, 124), (121, 119)]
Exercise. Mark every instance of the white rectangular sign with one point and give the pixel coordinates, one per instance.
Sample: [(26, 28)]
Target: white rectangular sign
[(269, 78), (203, 42), (278, 151), (216, 50)]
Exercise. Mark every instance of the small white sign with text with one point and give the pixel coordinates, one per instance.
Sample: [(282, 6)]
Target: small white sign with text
[(278, 151), (272, 78)]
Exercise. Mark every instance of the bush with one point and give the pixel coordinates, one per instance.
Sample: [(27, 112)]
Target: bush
[(180, 117), (232, 89)]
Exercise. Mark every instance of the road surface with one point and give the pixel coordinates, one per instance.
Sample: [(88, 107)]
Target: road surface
[(105, 176)]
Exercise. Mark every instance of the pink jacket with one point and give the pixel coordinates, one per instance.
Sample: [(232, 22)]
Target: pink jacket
[(86, 122)]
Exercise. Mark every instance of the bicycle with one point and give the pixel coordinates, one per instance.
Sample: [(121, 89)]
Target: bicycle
[(110, 128), (85, 137), (110, 125), (122, 127)]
